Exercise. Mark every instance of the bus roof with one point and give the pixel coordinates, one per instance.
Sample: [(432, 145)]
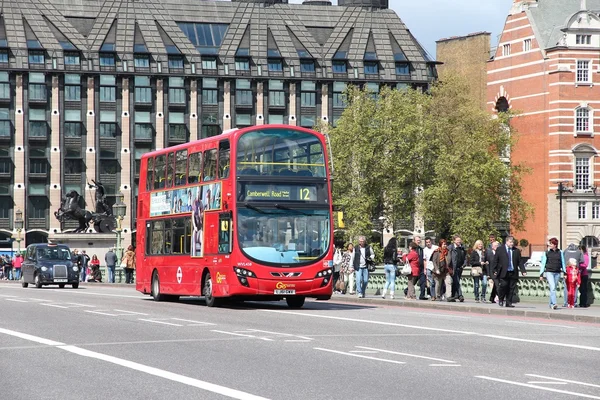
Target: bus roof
[(231, 134)]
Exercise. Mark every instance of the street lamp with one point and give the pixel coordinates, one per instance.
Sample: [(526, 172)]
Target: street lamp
[(118, 210), (19, 228), (561, 189)]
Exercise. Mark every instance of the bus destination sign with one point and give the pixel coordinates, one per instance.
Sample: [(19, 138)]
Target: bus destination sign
[(280, 192)]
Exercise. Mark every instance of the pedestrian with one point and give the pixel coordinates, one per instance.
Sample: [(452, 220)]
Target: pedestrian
[(479, 271), (572, 280), (572, 251), (390, 261), (76, 259), (584, 269), (552, 268), (490, 252), (17, 263), (8, 265), (442, 271), (362, 253), (413, 259), (129, 261), (111, 261), (348, 268), (428, 261), (422, 276), (506, 265), (337, 266), (95, 269), (459, 261), (84, 259)]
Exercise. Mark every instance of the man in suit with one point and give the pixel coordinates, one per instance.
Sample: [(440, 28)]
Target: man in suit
[(506, 265)]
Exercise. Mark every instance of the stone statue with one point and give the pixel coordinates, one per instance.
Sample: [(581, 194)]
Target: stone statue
[(103, 220)]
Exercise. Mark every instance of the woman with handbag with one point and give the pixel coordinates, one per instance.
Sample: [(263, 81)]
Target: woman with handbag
[(390, 260), (348, 269), (128, 263), (442, 270), (412, 258), (479, 270)]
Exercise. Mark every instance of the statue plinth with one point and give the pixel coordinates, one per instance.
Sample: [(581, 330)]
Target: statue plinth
[(92, 243)]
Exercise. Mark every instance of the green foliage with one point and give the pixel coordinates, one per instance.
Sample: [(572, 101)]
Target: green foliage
[(378, 250), (388, 148), (523, 242)]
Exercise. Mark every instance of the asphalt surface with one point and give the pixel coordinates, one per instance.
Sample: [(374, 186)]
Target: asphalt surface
[(101, 342)]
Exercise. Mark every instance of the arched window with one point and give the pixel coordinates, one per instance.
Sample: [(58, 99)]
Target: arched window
[(583, 156), (590, 242), (582, 120), (502, 105)]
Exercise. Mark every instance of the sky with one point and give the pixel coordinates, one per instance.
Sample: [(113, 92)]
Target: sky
[(431, 20)]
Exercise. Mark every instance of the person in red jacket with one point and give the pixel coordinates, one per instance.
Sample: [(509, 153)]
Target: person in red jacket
[(413, 259), (573, 280)]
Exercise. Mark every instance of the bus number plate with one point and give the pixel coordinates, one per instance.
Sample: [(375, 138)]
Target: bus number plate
[(285, 291)]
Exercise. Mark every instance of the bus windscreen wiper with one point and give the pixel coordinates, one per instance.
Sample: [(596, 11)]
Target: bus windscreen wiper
[(280, 207), (258, 210)]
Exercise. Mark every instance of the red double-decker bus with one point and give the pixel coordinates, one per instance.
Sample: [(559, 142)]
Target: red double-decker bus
[(245, 215)]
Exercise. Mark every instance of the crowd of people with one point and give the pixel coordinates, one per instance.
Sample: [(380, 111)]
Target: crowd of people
[(10, 267), (436, 270), (90, 268)]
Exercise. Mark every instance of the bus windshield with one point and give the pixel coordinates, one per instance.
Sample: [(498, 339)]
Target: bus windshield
[(280, 152), (283, 235)]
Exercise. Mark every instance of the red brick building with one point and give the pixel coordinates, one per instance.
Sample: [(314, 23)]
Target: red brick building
[(546, 69)]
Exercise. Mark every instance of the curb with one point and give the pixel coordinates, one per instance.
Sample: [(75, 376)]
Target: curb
[(85, 284), (514, 312)]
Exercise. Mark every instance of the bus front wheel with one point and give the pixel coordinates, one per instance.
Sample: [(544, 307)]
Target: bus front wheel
[(295, 302), (155, 289), (211, 300)]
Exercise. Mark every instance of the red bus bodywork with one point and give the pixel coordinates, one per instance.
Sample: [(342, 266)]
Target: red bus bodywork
[(232, 273)]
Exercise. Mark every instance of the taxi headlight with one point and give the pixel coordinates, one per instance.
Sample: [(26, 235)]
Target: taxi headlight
[(75, 268), (44, 269)]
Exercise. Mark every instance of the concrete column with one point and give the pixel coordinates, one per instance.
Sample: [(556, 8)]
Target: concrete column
[(19, 192), (226, 105), (90, 149), (325, 102), (292, 104), (126, 157), (260, 104), (160, 115), (55, 158), (194, 109)]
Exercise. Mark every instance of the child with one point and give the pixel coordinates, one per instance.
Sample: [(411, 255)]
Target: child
[(572, 280)]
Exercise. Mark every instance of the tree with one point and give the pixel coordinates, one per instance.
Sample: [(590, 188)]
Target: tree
[(387, 148)]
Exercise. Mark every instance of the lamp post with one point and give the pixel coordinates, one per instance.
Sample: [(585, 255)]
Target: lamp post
[(561, 189), (119, 209), (19, 228)]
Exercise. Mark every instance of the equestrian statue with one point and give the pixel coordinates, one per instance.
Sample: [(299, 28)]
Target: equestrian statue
[(104, 221)]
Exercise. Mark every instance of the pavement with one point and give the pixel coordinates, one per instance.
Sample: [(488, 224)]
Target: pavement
[(104, 341)]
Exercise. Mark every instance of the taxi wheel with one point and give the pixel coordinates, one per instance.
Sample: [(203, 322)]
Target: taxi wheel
[(76, 285), (155, 288), (211, 301), (61, 285), (295, 302), (38, 282), (23, 283)]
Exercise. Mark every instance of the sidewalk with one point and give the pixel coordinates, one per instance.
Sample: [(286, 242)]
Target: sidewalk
[(525, 309)]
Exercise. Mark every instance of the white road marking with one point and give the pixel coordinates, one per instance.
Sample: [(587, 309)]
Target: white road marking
[(444, 365), (439, 315), (7, 295), (359, 355), (241, 334), (371, 322), (533, 323), (364, 351), (304, 338), (53, 305), (587, 396), (548, 383), (17, 300), (193, 322), (210, 387), (405, 354), (159, 322), (131, 312), (563, 380), (33, 299), (425, 328)]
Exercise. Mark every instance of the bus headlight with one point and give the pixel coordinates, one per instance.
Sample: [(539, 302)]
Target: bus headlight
[(325, 272), (243, 275)]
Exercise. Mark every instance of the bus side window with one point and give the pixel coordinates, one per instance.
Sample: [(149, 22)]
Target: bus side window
[(150, 174), (181, 168), (224, 153), (210, 165), (195, 167), (170, 169), (159, 172)]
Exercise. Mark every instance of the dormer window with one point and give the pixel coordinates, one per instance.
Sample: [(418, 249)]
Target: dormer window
[(371, 63), (242, 64), (402, 68), (340, 62), (36, 57), (583, 39), (307, 66)]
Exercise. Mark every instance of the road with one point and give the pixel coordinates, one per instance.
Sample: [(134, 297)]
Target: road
[(114, 343)]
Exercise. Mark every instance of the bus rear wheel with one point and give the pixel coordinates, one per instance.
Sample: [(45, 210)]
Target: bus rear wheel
[(207, 291), (295, 302), (155, 288)]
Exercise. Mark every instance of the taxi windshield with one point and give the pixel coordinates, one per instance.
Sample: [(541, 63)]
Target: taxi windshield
[(54, 253)]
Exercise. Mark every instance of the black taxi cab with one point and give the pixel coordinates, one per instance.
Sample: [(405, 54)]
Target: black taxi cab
[(49, 264)]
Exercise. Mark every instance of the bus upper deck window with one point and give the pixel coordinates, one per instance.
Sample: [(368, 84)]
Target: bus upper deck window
[(170, 169), (181, 168), (210, 165), (159, 172), (224, 153), (150, 174), (195, 167)]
